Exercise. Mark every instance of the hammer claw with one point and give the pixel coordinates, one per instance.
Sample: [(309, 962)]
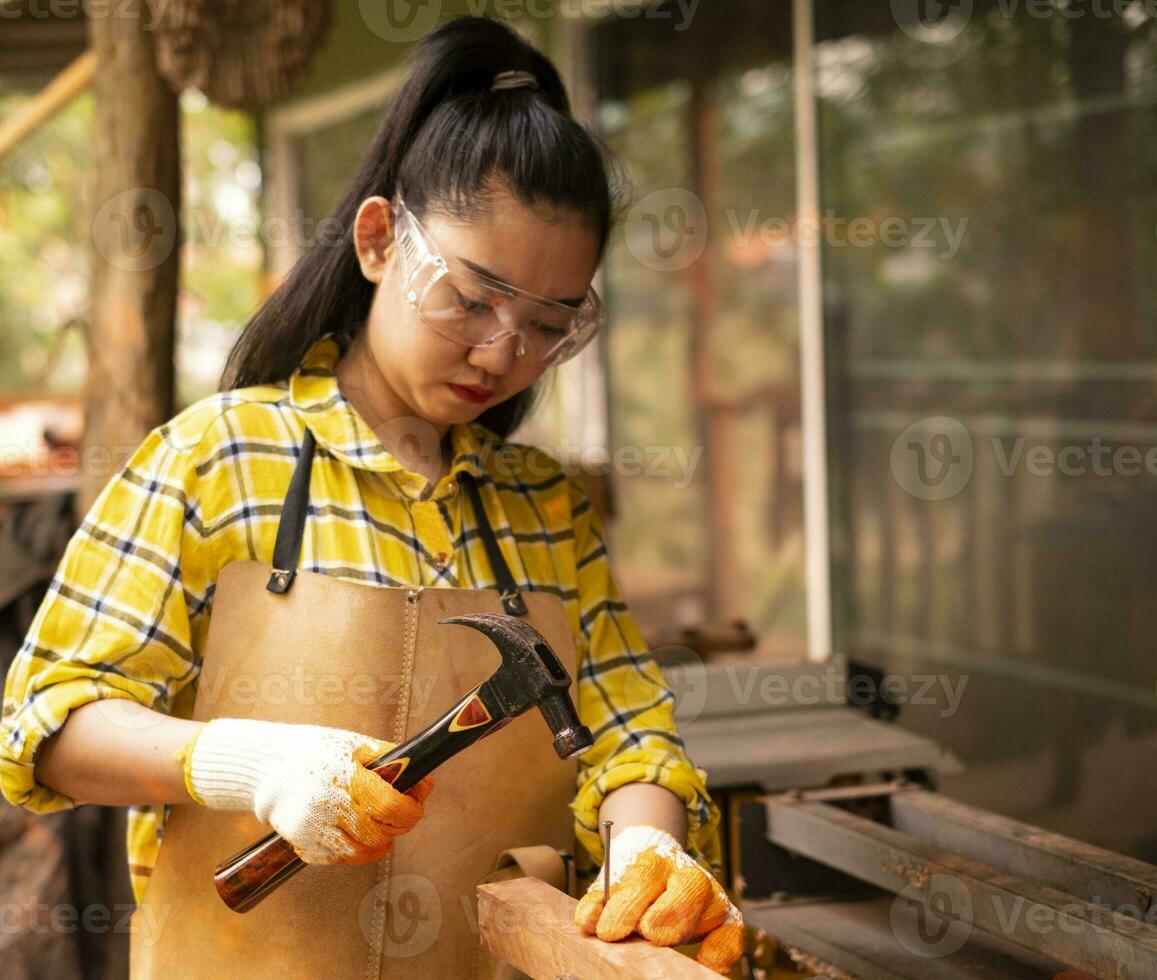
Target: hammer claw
[(531, 674)]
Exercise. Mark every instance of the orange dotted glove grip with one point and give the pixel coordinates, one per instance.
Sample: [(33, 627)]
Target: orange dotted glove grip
[(667, 898), (378, 813)]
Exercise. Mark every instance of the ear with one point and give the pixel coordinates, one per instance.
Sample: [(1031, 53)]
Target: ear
[(373, 235)]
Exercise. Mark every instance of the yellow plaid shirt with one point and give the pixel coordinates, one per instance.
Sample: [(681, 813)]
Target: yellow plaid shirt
[(127, 612)]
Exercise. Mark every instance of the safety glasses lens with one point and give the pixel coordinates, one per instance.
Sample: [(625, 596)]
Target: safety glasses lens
[(478, 315), (472, 310)]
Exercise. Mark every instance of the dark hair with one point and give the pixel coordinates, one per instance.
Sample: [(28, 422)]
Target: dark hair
[(445, 138)]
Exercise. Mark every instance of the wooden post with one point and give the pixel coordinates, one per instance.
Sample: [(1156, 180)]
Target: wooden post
[(135, 235), (530, 924), (715, 425)]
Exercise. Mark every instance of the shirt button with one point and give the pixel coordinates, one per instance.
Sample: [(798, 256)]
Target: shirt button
[(442, 559)]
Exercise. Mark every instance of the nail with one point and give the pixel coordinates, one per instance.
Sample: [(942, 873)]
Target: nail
[(607, 824)]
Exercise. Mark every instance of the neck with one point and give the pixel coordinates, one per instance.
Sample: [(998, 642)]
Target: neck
[(367, 391)]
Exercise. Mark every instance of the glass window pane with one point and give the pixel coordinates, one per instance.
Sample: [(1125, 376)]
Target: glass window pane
[(993, 349), (702, 340)]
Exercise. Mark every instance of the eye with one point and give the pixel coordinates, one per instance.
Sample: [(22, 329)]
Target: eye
[(550, 330), (469, 305)]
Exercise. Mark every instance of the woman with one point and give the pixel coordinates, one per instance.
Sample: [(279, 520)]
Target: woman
[(252, 608)]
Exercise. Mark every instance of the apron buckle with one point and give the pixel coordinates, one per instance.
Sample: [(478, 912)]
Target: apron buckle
[(513, 603), (280, 580)]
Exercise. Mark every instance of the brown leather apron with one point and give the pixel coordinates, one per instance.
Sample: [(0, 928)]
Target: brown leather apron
[(311, 648)]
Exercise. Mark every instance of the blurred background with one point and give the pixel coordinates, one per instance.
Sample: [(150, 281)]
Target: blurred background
[(891, 268)]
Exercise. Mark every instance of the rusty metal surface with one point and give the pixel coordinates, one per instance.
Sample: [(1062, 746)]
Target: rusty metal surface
[(966, 894), (876, 938), (1077, 868)]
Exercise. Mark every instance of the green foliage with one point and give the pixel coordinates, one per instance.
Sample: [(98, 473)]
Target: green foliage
[(45, 189), (46, 192)]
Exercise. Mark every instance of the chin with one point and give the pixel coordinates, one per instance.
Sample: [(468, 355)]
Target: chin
[(444, 414)]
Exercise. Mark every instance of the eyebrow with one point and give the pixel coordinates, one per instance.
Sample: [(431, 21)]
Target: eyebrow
[(482, 270)]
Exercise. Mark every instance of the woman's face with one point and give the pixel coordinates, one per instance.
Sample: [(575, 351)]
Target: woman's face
[(551, 254)]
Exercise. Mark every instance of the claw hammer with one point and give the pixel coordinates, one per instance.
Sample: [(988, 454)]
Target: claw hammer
[(530, 676)]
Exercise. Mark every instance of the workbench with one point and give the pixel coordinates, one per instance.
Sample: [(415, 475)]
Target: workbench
[(840, 849)]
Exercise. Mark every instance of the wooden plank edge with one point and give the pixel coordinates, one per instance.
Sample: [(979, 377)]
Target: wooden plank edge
[(528, 923)]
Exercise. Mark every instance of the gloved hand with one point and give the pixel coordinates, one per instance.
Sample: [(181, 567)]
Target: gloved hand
[(306, 781), (659, 891)]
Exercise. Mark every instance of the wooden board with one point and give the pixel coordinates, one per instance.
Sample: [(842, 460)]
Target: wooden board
[(531, 925)]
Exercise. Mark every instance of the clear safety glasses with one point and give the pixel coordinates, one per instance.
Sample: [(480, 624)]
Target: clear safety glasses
[(472, 309)]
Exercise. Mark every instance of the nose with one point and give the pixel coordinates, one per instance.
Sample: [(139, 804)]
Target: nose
[(499, 357)]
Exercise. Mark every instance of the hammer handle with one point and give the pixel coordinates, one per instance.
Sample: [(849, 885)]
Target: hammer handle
[(252, 873)]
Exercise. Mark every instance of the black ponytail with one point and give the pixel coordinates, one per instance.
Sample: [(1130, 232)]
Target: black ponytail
[(445, 137)]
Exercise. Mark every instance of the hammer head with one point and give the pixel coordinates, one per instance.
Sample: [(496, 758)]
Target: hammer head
[(531, 675)]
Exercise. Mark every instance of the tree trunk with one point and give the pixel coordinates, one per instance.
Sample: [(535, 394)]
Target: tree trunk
[(136, 237)]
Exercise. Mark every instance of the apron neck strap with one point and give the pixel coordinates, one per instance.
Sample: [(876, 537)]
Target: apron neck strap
[(512, 600), (291, 531), (291, 526)]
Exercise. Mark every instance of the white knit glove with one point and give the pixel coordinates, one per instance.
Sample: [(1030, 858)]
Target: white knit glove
[(659, 891), (308, 782)]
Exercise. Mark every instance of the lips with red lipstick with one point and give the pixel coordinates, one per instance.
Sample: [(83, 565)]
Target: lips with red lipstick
[(473, 393)]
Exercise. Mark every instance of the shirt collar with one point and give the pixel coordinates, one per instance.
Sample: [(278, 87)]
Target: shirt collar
[(337, 425)]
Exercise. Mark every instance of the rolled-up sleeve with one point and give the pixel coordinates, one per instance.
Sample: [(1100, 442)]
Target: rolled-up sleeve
[(114, 622), (625, 700)]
